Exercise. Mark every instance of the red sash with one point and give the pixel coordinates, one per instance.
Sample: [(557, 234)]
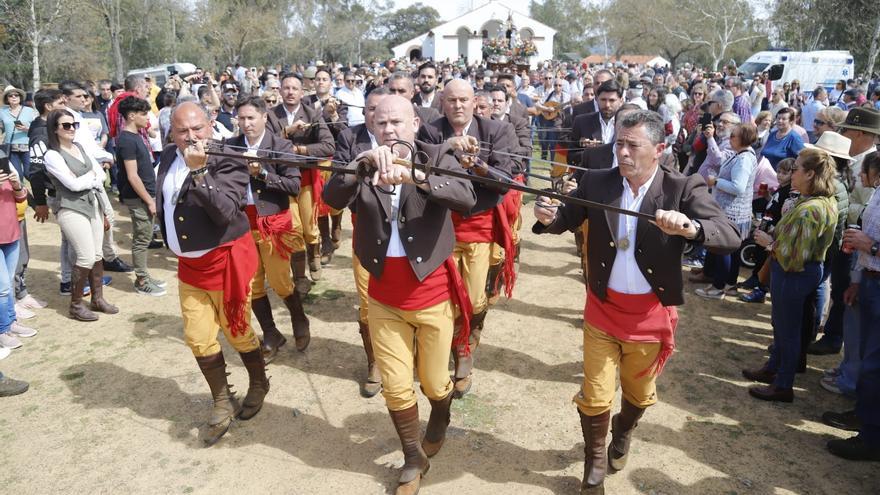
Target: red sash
[(400, 288), (275, 228), (635, 318), (230, 268), (477, 228)]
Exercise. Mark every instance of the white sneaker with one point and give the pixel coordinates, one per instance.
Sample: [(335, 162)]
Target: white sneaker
[(23, 313), (9, 341), (20, 330), (4, 352), (31, 302)]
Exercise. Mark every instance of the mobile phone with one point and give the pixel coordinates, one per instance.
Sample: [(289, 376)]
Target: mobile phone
[(16, 122), (4, 165), (705, 119), (172, 71)]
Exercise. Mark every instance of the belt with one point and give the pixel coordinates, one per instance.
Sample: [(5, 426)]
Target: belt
[(871, 273)]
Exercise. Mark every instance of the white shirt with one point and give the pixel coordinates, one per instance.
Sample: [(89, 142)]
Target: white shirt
[(85, 139), (426, 102), (395, 246), (177, 174), (155, 142), (355, 101), (626, 277), (290, 115), (607, 129), (252, 147), (57, 167)]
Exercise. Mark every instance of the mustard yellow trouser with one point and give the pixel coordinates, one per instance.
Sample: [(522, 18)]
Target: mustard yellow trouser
[(362, 282), (472, 259), (305, 223), (203, 317), (603, 357), (272, 269), (403, 339)]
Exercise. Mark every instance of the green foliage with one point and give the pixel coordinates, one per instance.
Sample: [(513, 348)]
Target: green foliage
[(573, 20), (407, 23)]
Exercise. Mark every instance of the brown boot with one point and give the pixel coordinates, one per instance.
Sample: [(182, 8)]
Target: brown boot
[(493, 293), (622, 426), (326, 242), (300, 279), (314, 251), (258, 384), (477, 322), (373, 383), (415, 462), (96, 280), (272, 338), (579, 242), (298, 320), (78, 309), (435, 433), (463, 367), (336, 230), (595, 430), (225, 404)]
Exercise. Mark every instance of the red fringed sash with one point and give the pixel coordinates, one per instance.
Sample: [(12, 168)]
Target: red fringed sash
[(275, 228), (230, 268)]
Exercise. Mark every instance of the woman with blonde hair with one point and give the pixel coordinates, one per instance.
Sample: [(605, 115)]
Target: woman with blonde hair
[(798, 246)]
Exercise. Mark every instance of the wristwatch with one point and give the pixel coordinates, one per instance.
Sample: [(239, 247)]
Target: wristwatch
[(875, 248)]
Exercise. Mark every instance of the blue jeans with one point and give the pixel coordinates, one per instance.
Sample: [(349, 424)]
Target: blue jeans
[(868, 389), (8, 260), (789, 291), (21, 160), (849, 368), (840, 268)]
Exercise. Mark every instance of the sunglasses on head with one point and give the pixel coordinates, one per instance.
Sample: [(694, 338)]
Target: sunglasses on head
[(68, 125)]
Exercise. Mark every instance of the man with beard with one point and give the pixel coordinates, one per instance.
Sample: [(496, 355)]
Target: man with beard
[(475, 141), (428, 95), (335, 115), (350, 144), (594, 129), (401, 84), (200, 204), (268, 209), (305, 129)]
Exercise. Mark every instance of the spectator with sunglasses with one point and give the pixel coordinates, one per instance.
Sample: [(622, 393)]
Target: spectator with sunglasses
[(811, 110), (353, 96)]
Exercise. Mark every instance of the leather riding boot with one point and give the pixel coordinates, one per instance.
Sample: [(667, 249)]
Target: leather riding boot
[(298, 265), (258, 384), (299, 321), (579, 242), (477, 322), (435, 433), (493, 293), (595, 430), (415, 462), (272, 338), (96, 280), (373, 383), (78, 309), (336, 230), (225, 404), (314, 251), (326, 243), (463, 367), (622, 426)]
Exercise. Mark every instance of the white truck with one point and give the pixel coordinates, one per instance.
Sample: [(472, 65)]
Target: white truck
[(160, 73), (811, 69)]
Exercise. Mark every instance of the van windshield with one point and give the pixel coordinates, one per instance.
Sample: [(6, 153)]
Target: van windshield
[(752, 68)]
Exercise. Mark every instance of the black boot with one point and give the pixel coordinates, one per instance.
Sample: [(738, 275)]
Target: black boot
[(272, 338), (301, 281), (415, 462), (226, 406), (258, 384), (435, 433), (595, 430), (326, 242), (314, 253), (622, 426), (96, 281), (336, 230), (373, 383), (298, 320)]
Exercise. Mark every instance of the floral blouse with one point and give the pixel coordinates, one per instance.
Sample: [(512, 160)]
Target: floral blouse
[(805, 232)]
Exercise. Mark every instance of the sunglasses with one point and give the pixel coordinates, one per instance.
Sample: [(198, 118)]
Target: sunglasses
[(359, 82), (67, 126), (349, 80), (819, 122), (271, 102)]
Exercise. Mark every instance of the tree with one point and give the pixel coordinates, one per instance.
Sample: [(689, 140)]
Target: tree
[(574, 21), (407, 23), (33, 21), (714, 25)]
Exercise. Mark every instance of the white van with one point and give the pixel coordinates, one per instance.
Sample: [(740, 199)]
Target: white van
[(812, 69), (160, 73)]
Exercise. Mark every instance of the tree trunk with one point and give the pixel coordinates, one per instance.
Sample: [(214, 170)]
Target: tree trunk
[(35, 47), (874, 49), (173, 34), (117, 55)]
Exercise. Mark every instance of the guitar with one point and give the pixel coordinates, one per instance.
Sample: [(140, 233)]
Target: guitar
[(555, 109)]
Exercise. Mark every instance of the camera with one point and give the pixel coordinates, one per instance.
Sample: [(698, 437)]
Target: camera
[(705, 119), (172, 70)]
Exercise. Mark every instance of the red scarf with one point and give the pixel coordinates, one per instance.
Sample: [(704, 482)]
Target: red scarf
[(229, 267), (400, 288), (635, 318), (274, 228), (490, 226)]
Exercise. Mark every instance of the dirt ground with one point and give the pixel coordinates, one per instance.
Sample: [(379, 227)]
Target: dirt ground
[(115, 406)]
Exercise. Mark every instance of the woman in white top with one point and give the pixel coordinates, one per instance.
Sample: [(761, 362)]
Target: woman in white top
[(78, 181)]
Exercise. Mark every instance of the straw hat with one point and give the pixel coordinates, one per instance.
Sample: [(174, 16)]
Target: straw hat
[(832, 143), (12, 89)]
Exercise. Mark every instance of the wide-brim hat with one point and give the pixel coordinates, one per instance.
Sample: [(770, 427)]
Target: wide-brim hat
[(832, 143), (12, 89), (862, 119)]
